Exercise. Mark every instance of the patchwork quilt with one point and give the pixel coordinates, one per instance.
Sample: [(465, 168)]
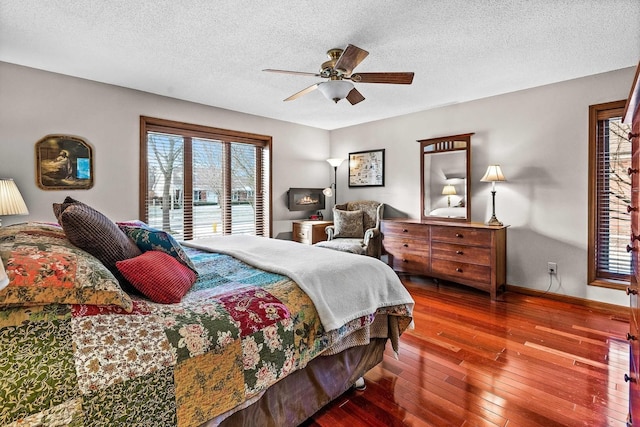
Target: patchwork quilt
[(236, 332)]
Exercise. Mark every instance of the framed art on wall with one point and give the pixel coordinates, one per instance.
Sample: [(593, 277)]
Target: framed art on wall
[(64, 163), (366, 168)]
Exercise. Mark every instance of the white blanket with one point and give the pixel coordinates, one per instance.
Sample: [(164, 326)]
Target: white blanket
[(342, 286)]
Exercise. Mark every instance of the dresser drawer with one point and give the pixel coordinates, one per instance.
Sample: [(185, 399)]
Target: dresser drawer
[(410, 263), (461, 235), (398, 245), (461, 253), (396, 229), (462, 272), (634, 345), (302, 233)]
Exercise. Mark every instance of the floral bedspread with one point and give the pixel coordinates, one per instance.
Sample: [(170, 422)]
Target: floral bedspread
[(236, 332)]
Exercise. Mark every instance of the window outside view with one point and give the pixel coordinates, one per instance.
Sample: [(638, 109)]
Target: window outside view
[(222, 198), (615, 193)]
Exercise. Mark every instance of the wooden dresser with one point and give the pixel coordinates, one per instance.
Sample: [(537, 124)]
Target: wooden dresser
[(309, 232), (632, 115), (472, 254)]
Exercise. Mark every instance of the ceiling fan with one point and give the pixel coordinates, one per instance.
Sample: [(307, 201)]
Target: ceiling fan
[(339, 70)]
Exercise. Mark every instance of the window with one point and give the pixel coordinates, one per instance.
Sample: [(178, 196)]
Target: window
[(197, 181), (609, 196)]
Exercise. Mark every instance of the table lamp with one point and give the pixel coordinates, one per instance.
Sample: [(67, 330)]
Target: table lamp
[(493, 175), (11, 201)]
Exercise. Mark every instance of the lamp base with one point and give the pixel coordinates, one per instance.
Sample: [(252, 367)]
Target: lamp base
[(493, 221)]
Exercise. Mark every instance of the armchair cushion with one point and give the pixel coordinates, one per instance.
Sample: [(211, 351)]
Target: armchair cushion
[(347, 223), (366, 214), (353, 246)]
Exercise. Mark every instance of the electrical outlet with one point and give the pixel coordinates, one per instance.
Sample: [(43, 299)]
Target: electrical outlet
[(552, 268)]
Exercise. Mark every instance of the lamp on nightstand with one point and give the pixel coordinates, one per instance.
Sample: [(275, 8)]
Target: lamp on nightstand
[(11, 201), (493, 175)]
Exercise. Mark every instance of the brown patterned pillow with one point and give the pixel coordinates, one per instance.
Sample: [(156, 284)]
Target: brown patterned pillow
[(93, 232), (347, 223)]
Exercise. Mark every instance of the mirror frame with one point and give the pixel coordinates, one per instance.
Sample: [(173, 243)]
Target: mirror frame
[(442, 145)]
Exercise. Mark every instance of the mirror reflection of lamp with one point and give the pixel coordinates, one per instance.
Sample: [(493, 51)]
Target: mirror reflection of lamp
[(332, 189), (494, 174), (449, 190)]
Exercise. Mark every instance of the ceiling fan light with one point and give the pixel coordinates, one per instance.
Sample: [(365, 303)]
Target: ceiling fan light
[(335, 90)]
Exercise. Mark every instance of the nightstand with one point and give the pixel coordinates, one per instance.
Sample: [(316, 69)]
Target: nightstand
[(309, 232)]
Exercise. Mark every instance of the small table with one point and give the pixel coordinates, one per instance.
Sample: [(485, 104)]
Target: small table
[(309, 232)]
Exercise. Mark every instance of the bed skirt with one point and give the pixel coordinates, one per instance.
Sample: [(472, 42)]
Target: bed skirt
[(298, 396)]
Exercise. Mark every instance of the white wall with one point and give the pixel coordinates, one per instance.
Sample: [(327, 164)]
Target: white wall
[(540, 139), (35, 103), (539, 136)]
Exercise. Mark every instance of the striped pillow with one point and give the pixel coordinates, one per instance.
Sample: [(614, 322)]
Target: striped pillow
[(93, 232), (158, 276)]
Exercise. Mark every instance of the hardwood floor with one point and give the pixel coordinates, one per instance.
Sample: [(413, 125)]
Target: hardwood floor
[(520, 361)]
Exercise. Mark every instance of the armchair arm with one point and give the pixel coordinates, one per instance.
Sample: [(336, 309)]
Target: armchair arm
[(370, 234), (330, 230)]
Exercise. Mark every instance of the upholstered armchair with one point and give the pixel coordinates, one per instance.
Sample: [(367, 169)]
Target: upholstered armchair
[(356, 228)]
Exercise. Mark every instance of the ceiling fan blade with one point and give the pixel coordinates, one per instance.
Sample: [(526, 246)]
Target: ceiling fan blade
[(303, 92), (350, 59), (299, 73), (354, 96), (392, 78)]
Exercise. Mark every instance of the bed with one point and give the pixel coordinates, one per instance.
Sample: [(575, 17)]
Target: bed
[(235, 340), (450, 212)]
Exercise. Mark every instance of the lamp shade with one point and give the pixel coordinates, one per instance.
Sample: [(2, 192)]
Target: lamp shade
[(335, 90), (335, 162), (11, 201), (449, 190), (493, 174)]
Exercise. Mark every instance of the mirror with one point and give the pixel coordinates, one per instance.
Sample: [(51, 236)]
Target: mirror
[(445, 168)]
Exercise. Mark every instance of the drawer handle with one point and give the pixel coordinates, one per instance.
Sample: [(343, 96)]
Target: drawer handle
[(630, 248), (406, 245), (631, 337), (404, 230), (458, 269), (634, 237), (459, 235), (459, 252), (631, 209), (405, 260), (627, 379), (631, 171), (632, 291)]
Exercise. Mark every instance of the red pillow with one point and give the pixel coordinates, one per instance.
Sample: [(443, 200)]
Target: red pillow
[(158, 275)]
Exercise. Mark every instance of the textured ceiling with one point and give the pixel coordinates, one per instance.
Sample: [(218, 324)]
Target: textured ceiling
[(212, 52)]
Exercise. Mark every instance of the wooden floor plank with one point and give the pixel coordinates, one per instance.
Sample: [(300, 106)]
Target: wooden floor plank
[(521, 361)]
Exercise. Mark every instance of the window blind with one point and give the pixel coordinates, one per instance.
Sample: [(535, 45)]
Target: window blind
[(613, 193), (198, 181)]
